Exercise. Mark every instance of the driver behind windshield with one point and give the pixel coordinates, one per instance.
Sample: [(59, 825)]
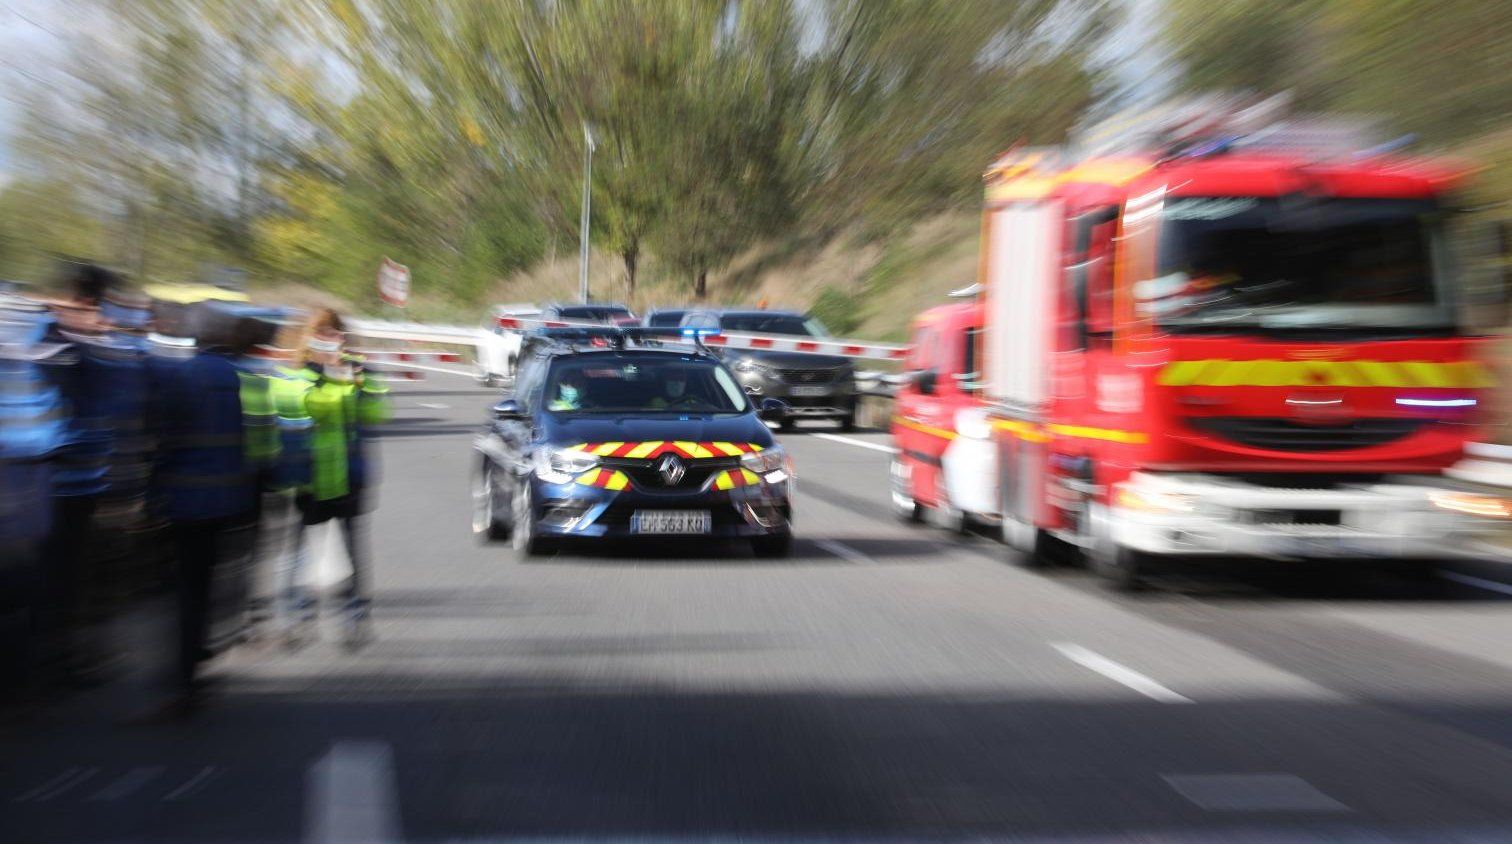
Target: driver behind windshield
[(674, 391)]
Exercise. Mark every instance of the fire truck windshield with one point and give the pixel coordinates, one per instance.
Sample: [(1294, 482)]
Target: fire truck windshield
[(1297, 262)]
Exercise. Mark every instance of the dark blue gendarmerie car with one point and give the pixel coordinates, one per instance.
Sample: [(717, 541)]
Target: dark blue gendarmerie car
[(618, 433)]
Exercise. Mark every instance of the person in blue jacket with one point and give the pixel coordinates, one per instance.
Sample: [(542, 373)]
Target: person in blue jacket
[(32, 431), (203, 484)]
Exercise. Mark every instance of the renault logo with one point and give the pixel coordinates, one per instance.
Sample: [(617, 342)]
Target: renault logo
[(672, 469)]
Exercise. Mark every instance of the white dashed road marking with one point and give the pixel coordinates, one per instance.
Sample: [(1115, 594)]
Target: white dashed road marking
[(1252, 793), (432, 405), (128, 783), (887, 449), (59, 786), (1118, 673), (194, 783), (845, 552), (352, 794)]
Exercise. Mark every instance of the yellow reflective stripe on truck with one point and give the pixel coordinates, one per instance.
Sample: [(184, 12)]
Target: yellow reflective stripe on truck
[(1464, 374)]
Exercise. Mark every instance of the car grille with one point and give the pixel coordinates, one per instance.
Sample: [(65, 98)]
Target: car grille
[(617, 515), (644, 475), (1289, 517), (811, 376), (1290, 435)]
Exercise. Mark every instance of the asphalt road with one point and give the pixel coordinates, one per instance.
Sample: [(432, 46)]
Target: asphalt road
[(887, 681)]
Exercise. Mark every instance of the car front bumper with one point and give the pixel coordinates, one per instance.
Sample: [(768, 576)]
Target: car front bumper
[(837, 398), (573, 510)]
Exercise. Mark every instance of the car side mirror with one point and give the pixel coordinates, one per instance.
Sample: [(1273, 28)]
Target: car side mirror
[(925, 380), (509, 410), (772, 410)]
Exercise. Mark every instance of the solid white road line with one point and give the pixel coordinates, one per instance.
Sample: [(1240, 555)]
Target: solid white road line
[(887, 449), (352, 794), (193, 784), (845, 552), (1118, 673), (432, 405), (127, 783), (1477, 582)]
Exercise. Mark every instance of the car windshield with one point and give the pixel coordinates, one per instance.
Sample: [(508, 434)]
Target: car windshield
[(773, 324), (597, 313), (645, 384), (1297, 262)]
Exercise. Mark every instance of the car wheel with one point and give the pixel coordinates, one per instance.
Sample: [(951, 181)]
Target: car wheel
[(525, 540), (903, 501), (772, 546), (787, 423), (848, 422), (1122, 569), (486, 521)]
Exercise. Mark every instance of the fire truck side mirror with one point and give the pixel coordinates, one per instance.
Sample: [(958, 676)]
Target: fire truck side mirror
[(924, 381)]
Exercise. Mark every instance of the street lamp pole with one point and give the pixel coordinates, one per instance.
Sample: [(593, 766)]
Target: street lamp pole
[(587, 205)]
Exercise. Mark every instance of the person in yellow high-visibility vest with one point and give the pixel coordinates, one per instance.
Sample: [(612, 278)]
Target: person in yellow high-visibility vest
[(343, 405)]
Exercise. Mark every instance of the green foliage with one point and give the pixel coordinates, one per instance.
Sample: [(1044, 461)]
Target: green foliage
[(309, 141), (840, 312)]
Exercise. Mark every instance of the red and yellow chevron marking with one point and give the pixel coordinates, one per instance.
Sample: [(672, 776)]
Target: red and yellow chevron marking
[(736, 477), (611, 479), (656, 448), (1460, 374)]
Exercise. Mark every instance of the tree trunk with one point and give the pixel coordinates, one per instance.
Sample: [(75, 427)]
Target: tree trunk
[(631, 256), (701, 286)]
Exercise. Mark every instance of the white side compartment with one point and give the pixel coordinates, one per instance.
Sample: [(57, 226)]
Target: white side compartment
[(1023, 245)]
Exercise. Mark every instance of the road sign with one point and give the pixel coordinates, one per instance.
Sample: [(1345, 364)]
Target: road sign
[(393, 283)]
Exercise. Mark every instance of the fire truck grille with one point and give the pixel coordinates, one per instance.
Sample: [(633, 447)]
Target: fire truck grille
[(1289, 435)]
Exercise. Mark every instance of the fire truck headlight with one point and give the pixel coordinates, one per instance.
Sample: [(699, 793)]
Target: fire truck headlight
[(972, 423), (1488, 506), (1153, 501)]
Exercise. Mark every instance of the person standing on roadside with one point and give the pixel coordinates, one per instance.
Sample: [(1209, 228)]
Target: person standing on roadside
[(203, 484), (344, 405)]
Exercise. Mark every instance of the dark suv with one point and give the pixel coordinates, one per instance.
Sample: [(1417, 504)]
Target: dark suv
[(812, 386), (618, 433)]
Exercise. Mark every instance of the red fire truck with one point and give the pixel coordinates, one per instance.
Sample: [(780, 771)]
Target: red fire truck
[(1226, 343)]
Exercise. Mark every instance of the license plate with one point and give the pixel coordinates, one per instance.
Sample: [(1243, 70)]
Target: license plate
[(671, 521), (808, 391)]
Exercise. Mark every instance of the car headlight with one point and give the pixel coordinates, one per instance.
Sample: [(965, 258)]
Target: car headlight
[(560, 465), (753, 368), (767, 463), (1153, 501), (1471, 504)]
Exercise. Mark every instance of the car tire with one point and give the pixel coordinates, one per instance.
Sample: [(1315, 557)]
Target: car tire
[(903, 503), (772, 546), (787, 424), (523, 536), (848, 422), (486, 523), (1122, 569)]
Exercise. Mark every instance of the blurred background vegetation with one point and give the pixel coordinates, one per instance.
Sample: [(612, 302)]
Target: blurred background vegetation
[(821, 153)]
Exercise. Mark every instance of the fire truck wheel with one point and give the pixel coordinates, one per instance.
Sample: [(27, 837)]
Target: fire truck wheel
[(1122, 569)]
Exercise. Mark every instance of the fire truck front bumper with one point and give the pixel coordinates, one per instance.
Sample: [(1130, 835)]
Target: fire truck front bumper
[(1204, 515)]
